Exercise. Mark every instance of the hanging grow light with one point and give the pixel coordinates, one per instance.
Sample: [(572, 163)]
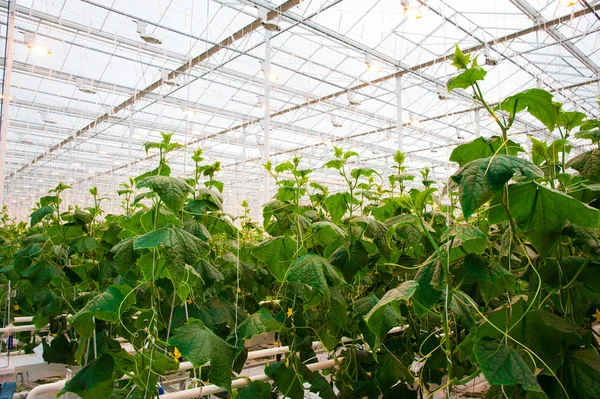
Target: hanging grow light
[(411, 12), (352, 99), (167, 81), (47, 118), (85, 88), (147, 37), (272, 25), (567, 3), (35, 44), (335, 122)]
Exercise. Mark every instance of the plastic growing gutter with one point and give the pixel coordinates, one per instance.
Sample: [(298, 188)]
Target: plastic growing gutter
[(210, 389)]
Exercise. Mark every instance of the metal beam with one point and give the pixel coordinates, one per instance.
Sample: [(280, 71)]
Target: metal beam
[(553, 32)]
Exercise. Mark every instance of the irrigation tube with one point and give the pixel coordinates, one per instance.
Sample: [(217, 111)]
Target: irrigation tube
[(184, 366), (241, 382)]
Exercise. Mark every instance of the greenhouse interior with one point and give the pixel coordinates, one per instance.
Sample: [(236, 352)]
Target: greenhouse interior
[(300, 199)]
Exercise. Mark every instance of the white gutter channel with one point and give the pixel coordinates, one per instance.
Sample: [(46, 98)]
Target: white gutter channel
[(184, 366)]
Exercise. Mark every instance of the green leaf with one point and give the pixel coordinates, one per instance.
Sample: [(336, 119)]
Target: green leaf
[(391, 371), (288, 382), (471, 238), (542, 213), (41, 273), (582, 373), (492, 278), (201, 207), (337, 205), (316, 272), (84, 244), (427, 293), (378, 231), (278, 254), (60, 350), (466, 79), (537, 102), (40, 214), (178, 247), (479, 179), (401, 293), (260, 322), (171, 190), (256, 390), (200, 345), (107, 305), (587, 164), (502, 365), (94, 381), (460, 60), (593, 135), (326, 232), (483, 148), (349, 259), (570, 120), (125, 255)]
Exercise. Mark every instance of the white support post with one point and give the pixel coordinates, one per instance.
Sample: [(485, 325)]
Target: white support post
[(244, 160), (4, 121), (477, 118), (399, 110), (267, 115)]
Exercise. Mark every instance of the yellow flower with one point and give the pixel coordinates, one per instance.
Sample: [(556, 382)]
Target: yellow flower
[(369, 374), (290, 312), (189, 300), (597, 315), (16, 307), (176, 355), (239, 289)]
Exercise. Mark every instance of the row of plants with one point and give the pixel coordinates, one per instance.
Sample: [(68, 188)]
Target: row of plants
[(496, 273)]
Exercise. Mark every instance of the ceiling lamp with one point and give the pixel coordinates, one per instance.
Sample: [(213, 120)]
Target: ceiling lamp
[(167, 81), (272, 26), (35, 45), (372, 65), (567, 3), (188, 111), (442, 94), (411, 12), (489, 61), (84, 88), (272, 76), (413, 120), (47, 118), (334, 121), (352, 99), (147, 37), (459, 134)]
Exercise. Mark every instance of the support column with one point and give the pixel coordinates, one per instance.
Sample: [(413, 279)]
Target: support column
[(244, 160), (399, 115), (8, 63), (267, 114), (477, 119)]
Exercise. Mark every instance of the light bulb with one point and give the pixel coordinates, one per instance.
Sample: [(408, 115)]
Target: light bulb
[(412, 13)]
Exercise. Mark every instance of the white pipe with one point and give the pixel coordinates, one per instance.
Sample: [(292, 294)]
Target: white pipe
[(4, 122), (184, 366), (267, 115), (242, 382), (47, 388), (12, 328), (399, 111), (23, 319)]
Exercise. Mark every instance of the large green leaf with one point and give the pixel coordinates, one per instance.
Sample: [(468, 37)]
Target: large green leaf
[(537, 102), (493, 279), (471, 238), (256, 390), (427, 293), (337, 205), (582, 373), (326, 232), (200, 345), (40, 214), (587, 164), (483, 148), (466, 79), (171, 190), (179, 248), (84, 244), (570, 120), (376, 231), (349, 259), (401, 293), (502, 365), (94, 381), (125, 255), (479, 179), (278, 254), (41, 273), (260, 322), (542, 213), (316, 272)]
